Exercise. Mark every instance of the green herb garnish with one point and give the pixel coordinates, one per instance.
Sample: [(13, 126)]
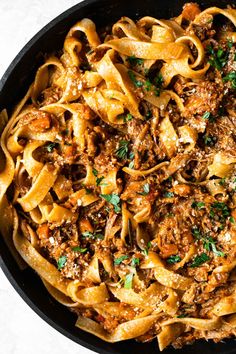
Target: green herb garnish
[(182, 315), (210, 140), (198, 205), (210, 245), (231, 77), (128, 117), (145, 251), (218, 58), (113, 199), (146, 189), (199, 260), (123, 149), (128, 281), (120, 259), (95, 172), (208, 116), (232, 220), (61, 262), (133, 78), (79, 249), (173, 259), (222, 181), (168, 195), (135, 262), (93, 235), (51, 146), (134, 61)]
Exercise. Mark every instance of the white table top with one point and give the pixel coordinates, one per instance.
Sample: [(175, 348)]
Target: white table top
[(21, 330)]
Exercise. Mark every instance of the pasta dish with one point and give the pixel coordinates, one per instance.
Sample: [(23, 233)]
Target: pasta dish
[(118, 177)]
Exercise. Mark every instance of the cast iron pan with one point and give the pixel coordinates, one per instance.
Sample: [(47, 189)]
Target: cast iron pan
[(13, 86)]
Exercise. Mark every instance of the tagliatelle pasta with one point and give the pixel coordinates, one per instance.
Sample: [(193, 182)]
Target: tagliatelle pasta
[(118, 177)]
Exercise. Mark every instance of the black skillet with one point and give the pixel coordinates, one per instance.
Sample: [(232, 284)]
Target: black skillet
[(13, 86)]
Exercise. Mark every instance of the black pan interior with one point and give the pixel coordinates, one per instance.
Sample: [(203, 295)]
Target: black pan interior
[(12, 87)]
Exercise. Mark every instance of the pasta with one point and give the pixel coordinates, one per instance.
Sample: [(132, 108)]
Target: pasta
[(118, 177)]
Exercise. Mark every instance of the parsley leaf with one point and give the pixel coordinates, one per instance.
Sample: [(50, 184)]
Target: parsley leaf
[(135, 261), (146, 189), (128, 117), (134, 61), (95, 172), (131, 164), (133, 78), (231, 77), (222, 181), (199, 260), (51, 146), (79, 249), (128, 281), (208, 116), (198, 205), (218, 58), (61, 262), (99, 180), (168, 195), (120, 259), (210, 140), (123, 149), (221, 208), (210, 245), (173, 259), (182, 315), (145, 251), (92, 235), (114, 199)]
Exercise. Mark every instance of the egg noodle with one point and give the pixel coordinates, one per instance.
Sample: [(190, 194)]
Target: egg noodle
[(118, 177)]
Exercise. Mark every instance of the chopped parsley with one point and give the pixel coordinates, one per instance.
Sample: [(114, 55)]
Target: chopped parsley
[(199, 260), (221, 207), (209, 243), (113, 199), (135, 261), (95, 172), (208, 116), (198, 205), (148, 85), (145, 251), (51, 146), (123, 149), (93, 235), (98, 179), (127, 118), (222, 181), (173, 259), (133, 78), (146, 189), (182, 315), (231, 77), (232, 220), (217, 58), (120, 259), (168, 195), (61, 262), (128, 281), (134, 61), (210, 140), (131, 164), (79, 249)]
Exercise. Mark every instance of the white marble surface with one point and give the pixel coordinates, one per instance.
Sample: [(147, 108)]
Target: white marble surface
[(21, 330)]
